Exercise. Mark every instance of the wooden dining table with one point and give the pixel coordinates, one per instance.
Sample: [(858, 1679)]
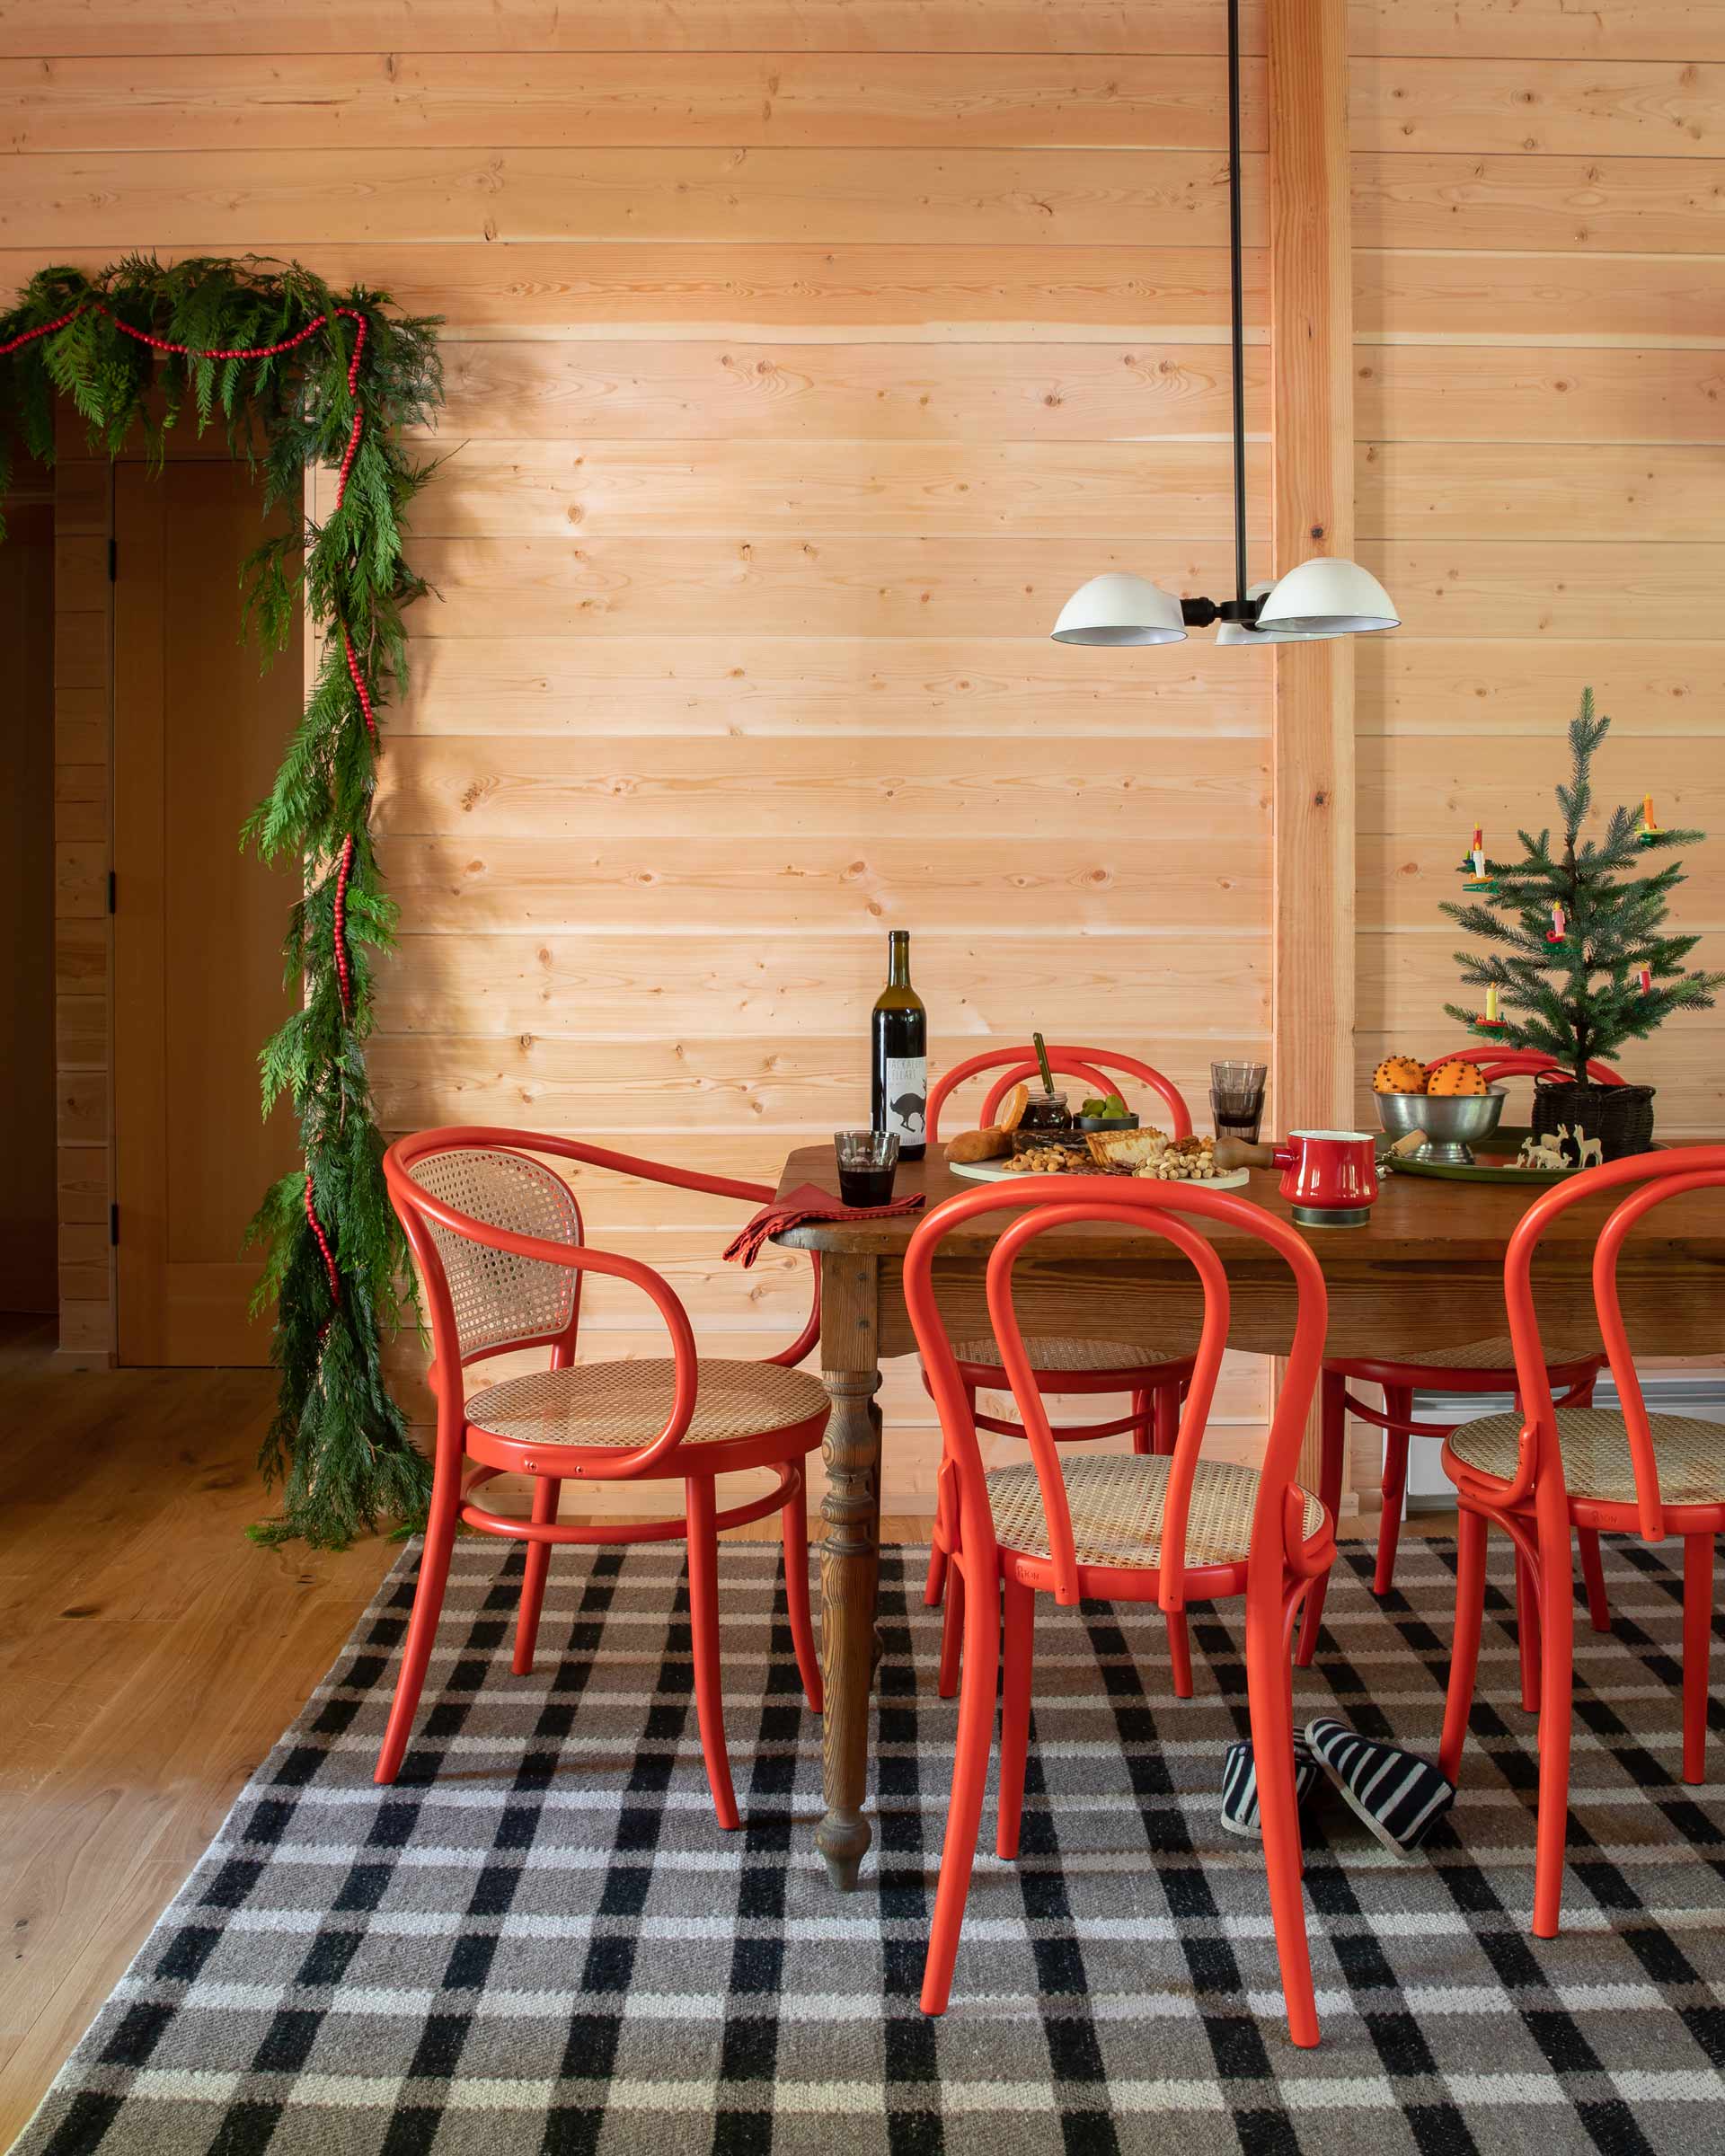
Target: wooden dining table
[(1425, 1273)]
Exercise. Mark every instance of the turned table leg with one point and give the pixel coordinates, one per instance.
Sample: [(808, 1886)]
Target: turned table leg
[(850, 1557)]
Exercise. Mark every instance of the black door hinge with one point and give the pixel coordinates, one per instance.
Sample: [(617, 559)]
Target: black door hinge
[(113, 892), (113, 561), (113, 1224)]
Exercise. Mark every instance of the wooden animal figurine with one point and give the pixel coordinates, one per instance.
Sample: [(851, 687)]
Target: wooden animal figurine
[(1542, 1153), (1592, 1152)]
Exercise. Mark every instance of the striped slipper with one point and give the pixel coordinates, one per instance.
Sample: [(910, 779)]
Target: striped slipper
[(1398, 1796), (1240, 1785)]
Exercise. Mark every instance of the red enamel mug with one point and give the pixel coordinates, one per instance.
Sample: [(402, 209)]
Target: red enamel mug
[(1329, 1177)]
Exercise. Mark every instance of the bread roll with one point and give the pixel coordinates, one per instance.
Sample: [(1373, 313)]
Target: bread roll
[(1125, 1148), (989, 1143)]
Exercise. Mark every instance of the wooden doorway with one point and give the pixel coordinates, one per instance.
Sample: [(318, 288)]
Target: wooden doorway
[(29, 1233), (198, 926)]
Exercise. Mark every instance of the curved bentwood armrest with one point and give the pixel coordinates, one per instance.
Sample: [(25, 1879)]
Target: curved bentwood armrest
[(415, 1203), (716, 1186)]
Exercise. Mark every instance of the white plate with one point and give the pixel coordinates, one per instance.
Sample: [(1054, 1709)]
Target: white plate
[(1003, 1172)]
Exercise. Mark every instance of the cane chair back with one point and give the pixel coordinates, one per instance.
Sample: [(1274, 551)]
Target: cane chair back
[(500, 1300)]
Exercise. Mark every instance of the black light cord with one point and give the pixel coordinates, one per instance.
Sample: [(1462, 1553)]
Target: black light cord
[(1236, 279)]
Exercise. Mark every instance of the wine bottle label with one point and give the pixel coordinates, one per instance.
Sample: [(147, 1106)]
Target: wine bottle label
[(906, 1097)]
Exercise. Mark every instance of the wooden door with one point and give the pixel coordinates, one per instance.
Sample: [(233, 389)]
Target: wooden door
[(28, 1263), (198, 925)]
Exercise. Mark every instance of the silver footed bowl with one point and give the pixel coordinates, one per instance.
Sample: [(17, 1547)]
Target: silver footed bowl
[(1452, 1123)]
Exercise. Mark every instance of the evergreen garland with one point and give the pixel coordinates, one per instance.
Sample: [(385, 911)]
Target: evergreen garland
[(297, 376), (1579, 998)]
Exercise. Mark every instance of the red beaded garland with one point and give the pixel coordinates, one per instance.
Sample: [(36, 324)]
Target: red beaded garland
[(322, 1240), (347, 462), (342, 873), (161, 344), (360, 683), (47, 330), (353, 314)]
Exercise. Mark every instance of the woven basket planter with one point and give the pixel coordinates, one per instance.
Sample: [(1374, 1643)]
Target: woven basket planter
[(1620, 1117)]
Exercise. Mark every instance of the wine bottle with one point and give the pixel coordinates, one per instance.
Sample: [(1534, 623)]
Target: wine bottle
[(900, 1054)]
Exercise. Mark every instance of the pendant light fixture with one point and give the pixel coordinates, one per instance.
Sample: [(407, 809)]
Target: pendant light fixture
[(1326, 597)]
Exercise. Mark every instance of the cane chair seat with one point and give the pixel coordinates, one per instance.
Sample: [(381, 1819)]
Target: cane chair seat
[(1055, 1352), (1596, 1465), (1496, 1354), (621, 1405), (1116, 1503)]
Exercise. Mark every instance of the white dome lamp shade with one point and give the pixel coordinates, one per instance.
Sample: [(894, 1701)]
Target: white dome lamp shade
[(1117, 609), (1329, 596), (1242, 633)]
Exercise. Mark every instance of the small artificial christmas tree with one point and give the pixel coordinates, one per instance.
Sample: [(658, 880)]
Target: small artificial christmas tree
[(1586, 966)]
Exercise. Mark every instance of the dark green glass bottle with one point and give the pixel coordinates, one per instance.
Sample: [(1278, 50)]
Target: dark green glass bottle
[(898, 1060)]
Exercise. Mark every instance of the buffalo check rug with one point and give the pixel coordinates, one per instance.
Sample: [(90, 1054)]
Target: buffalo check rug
[(539, 1941)]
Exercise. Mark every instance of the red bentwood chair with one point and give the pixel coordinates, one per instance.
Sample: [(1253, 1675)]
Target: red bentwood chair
[(1480, 1366), (1628, 1472), (499, 1242), (1132, 1528), (1156, 1380)]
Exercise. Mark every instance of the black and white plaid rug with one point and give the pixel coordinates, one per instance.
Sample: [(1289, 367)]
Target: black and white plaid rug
[(539, 1940)]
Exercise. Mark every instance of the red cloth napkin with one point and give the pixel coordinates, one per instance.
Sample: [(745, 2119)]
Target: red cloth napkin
[(807, 1202)]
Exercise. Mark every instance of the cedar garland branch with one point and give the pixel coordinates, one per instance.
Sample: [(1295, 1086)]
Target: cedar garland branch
[(297, 376)]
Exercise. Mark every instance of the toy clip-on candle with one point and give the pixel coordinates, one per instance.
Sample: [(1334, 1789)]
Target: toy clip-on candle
[(1493, 1016), (1650, 825), (1646, 980), (1473, 867), (1560, 925)]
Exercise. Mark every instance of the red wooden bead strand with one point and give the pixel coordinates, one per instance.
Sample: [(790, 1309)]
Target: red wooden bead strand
[(341, 967), (47, 330), (347, 460), (322, 1240), (358, 681), (161, 344)]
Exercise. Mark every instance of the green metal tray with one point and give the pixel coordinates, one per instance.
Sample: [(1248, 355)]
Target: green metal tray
[(1494, 1161)]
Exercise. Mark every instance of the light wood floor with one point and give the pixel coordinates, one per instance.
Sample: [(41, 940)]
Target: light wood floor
[(149, 1656)]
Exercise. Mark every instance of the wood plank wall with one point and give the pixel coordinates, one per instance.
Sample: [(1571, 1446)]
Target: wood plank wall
[(802, 354), (1540, 340), (802, 359)]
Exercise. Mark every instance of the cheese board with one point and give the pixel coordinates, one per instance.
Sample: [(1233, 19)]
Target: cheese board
[(1006, 1172)]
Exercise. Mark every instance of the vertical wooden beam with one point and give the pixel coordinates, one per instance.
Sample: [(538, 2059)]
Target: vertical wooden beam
[(1313, 421), (1311, 289)]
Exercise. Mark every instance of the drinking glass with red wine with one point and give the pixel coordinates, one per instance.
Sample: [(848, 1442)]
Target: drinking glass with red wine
[(867, 1163)]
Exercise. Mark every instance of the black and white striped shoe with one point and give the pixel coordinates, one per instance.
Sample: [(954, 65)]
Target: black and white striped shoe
[(1400, 1796), (1240, 1785)]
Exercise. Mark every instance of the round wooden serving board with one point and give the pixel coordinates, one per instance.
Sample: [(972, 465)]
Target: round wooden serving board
[(1004, 1171)]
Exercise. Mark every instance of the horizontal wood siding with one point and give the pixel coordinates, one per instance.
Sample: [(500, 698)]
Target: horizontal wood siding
[(1541, 446), (802, 359)]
